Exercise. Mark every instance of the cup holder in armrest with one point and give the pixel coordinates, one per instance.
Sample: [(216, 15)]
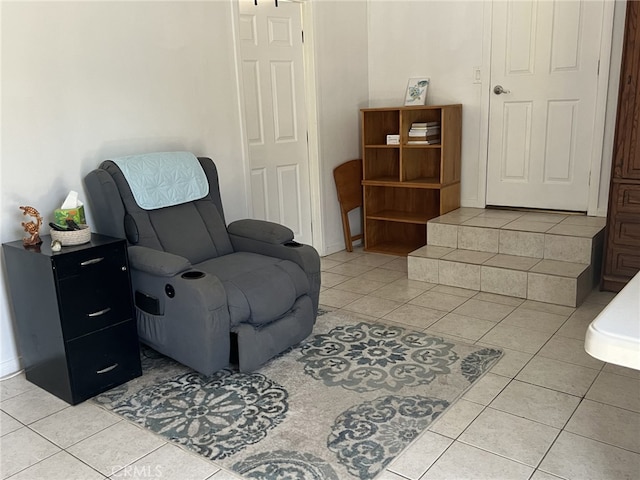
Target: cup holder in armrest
[(292, 244), (192, 275)]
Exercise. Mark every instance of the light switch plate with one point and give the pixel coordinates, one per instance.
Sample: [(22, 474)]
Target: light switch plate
[(477, 75)]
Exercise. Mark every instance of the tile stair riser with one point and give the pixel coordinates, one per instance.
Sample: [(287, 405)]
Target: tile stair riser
[(503, 281), (542, 287), (574, 249), (522, 244), (442, 235), (513, 242), (423, 269), (558, 290), (568, 249), (479, 239), (458, 274)]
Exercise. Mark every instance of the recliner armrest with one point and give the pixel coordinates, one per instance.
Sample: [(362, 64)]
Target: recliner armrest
[(155, 262), (261, 230), (304, 255)]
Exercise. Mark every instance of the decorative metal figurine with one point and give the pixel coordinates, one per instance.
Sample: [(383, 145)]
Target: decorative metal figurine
[(32, 228)]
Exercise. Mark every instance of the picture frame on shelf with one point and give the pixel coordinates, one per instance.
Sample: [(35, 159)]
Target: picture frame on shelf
[(416, 93)]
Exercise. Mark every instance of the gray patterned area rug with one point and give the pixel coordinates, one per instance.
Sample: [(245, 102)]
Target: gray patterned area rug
[(341, 405)]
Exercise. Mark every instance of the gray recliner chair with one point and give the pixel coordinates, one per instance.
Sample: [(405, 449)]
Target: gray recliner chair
[(204, 289)]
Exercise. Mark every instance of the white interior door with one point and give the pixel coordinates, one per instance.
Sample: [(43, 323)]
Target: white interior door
[(544, 55), (275, 119)]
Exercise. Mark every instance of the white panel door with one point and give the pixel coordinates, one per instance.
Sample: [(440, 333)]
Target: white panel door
[(275, 119), (544, 55)]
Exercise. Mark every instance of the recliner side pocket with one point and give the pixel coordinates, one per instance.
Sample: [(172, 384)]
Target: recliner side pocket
[(151, 328)]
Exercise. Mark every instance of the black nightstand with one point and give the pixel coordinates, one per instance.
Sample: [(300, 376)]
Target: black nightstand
[(74, 315)]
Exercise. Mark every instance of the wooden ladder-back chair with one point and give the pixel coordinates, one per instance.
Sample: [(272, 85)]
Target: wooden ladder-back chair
[(348, 178)]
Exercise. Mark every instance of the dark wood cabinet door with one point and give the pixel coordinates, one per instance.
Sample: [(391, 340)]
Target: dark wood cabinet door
[(622, 252), (627, 141)]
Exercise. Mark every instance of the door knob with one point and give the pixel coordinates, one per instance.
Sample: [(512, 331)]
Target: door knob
[(498, 90)]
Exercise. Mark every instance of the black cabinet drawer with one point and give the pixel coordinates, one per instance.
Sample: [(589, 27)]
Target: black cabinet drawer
[(103, 359), (90, 304), (91, 262), (94, 289)]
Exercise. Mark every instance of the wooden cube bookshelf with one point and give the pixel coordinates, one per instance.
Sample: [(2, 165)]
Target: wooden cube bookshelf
[(406, 185)]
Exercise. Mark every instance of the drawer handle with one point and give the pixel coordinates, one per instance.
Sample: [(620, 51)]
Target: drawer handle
[(91, 262), (99, 312), (108, 369)]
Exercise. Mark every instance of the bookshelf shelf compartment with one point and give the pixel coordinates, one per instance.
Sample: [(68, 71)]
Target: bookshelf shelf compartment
[(395, 238), (408, 184), (379, 124), (382, 164)]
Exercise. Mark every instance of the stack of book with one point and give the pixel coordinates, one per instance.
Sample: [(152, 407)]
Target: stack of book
[(393, 139), (424, 133)]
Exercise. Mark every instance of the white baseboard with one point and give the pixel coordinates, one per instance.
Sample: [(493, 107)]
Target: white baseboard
[(9, 367), (472, 203), (602, 212), (337, 247)]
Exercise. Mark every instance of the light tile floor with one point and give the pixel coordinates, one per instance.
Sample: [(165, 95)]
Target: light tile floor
[(547, 410)]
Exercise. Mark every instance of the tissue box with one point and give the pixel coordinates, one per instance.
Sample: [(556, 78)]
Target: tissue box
[(75, 214)]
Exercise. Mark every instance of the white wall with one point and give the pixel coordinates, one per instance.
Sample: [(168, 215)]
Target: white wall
[(445, 40), (85, 81), (442, 40), (340, 42)]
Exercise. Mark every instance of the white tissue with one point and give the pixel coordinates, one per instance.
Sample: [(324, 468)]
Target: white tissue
[(71, 201)]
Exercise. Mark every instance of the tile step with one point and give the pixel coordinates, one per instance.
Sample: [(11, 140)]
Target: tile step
[(544, 256), (543, 280), (577, 239)]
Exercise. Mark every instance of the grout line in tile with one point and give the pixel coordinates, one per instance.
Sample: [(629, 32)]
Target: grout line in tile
[(610, 405), (604, 443), (559, 430), (117, 473), (566, 361), (496, 454), (34, 464), (550, 447), (83, 462), (439, 456), (580, 399)]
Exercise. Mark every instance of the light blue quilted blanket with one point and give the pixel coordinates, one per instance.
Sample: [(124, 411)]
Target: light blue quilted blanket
[(164, 179)]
